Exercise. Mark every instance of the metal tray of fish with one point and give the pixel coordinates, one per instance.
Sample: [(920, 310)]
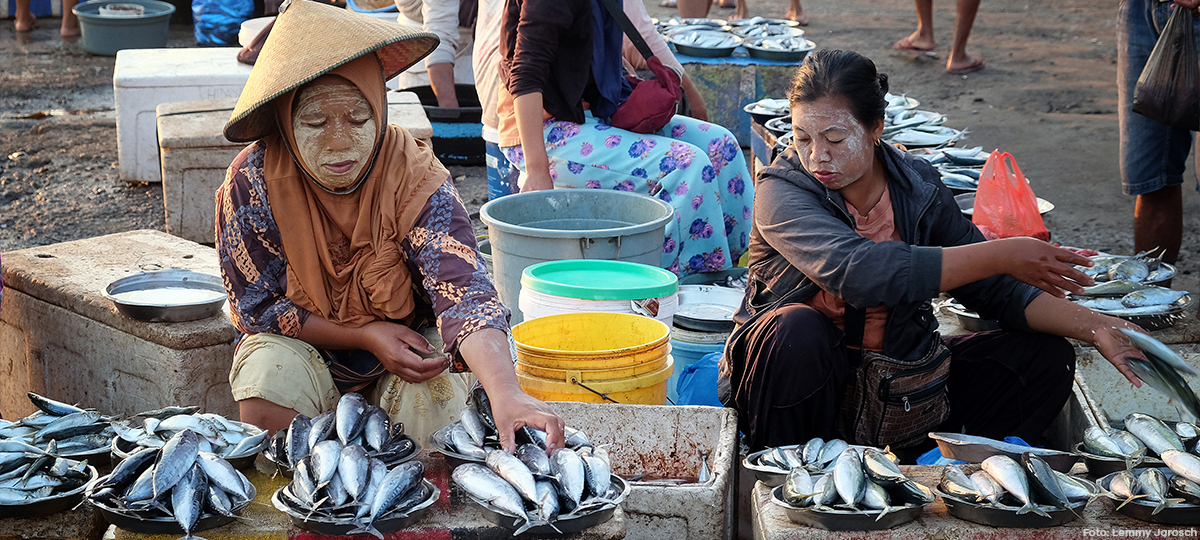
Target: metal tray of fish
[(286, 471), (769, 107), (173, 295), (53, 504), (1157, 321), (846, 520), (1178, 514), (779, 126), (975, 449), (1007, 516), (330, 525), (565, 524), (779, 48), (122, 449), (768, 475), (704, 43), (162, 523), (1103, 465), (676, 22)]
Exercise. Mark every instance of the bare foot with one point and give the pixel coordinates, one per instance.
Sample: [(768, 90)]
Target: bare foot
[(963, 66), (798, 16), (69, 31), (915, 42), (25, 22)]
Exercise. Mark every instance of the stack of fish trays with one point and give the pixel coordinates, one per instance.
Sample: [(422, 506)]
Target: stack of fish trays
[(682, 479)]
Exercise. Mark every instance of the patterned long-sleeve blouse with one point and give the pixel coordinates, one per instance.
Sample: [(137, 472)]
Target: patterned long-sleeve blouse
[(254, 266)]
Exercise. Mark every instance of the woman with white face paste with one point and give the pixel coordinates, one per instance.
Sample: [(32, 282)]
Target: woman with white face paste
[(349, 260), (851, 241)]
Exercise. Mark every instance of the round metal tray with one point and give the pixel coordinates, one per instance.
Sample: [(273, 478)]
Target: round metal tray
[(779, 126), (768, 475), (846, 520), (1007, 517), (286, 471), (707, 308), (974, 450), (705, 52), (53, 504), (565, 524), (122, 449), (794, 55), (1179, 514), (1103, 465), (162, 524), (197, 295), (393, 521)]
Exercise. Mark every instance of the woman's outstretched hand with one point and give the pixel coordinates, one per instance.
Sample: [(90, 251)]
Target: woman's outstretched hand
[(1045, 266)]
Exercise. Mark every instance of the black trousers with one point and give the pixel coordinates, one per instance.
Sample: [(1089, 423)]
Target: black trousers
[(1001, 383)]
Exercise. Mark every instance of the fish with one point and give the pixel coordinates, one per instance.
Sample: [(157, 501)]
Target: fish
[(297, 439), (1044, 482), (535, 458), (489, 489), (473, 425), (1076, 490), (1129, 270), (187, 500), (353, 468), (70, 425), (797, 487), (377, 428), (1151, 296), (175, 460), (1188, 433), (483, 406), (514, 471), (569, 469), (320, 428), (597, 472), (1012, 478), (911, 492), (1184, 464), (1113, 288), (812, 450), (462, 443), (791, 458), (1186, 489), (824, 491), (849, 478), (830, 451), (881, 469), (1152, 431), (1125, 485), (575, 438), (129, 467), (969, 157), (957, 483), (1168, 381), (398, 482), (1154, 485), (1102, 304), (547, 501), (876, 498), (220, 473), (52, 407), (349, 416), (1161, 352), (169, 411), (325, 459), (987, 487)]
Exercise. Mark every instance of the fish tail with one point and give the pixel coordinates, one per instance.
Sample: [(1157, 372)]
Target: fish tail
[(1129, 499), (886, 509), (1165, 503)]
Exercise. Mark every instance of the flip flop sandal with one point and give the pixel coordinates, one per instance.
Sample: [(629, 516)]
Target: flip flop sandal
[(905, 45), (975, 66)]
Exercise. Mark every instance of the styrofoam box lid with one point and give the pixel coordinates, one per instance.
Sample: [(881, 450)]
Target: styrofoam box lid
[(596, 279), (208, 66)]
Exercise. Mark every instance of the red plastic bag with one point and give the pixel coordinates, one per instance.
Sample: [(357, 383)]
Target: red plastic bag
[(1005, 205)]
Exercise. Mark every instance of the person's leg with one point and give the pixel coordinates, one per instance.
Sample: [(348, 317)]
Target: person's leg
[(70, 24), (796, 12), (275, 377), (922, 38), (1158, 222), (1008, 383), (694, 9), (25, 18), (795, 369), (964, 19)]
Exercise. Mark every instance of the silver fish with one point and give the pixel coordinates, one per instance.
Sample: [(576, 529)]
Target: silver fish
[(987, 487), (791, 458), (1163, 378), (1187, 432), (881, 469), (597, 473), (1076, 490), (219, 501), (1161, 352), (377, 429), (21, 496), (1125, 485), (957, 483), (321, 428), (325, 458), (50, 406), (831, 451), (1129, 270), (812, 450), (911, 492), (246, 445), (576, 438), (1154, 485), (353, 468), (1044, 482), (1113, 288), (514, 472), (876, 498), (798, 487), (458, 439), (220, 473), (377, 472), (1186, 489), (297, 439), (570, 471), (70, 425), (849, 478), (547, 503), (338, 495), (535, 458), (473, 425), (1184, 464), (349, 416), (485, 486), (398, 482), (175, 460), (824, 491), (181, 421), (1152, 431), (1012, 478), (187, 499), (1152, 296)]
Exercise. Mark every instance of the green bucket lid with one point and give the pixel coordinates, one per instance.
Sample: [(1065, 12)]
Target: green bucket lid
[(598, 279)]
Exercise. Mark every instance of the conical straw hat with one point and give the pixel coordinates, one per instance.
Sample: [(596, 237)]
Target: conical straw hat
[(310, 39)]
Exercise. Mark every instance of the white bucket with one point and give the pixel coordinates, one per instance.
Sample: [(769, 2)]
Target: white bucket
[(535, 304)]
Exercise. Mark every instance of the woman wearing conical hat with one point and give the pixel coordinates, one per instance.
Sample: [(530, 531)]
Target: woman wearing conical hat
[(344, 247)]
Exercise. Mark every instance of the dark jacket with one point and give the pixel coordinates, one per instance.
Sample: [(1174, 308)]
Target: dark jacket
[(803, 240)]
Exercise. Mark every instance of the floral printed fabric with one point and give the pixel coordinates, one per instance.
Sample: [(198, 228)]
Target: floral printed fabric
[(696, 167)]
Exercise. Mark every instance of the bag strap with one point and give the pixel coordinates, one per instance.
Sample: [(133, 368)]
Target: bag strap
[(626, 25)]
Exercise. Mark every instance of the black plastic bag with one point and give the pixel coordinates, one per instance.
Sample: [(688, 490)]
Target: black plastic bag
[(1168, 89)]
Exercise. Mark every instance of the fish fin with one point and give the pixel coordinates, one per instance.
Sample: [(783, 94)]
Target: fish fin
[(1165, 503), (886, 509), (1038, 510), (1129, 499)]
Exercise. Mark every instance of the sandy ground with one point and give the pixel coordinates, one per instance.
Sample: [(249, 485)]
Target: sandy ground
[(1047, 95)]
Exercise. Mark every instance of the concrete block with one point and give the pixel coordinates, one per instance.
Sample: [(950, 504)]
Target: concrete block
[(665, 444), (728, 87), (82, 523), (1112, 397), (195, 155), (935, 521), (63, 339)]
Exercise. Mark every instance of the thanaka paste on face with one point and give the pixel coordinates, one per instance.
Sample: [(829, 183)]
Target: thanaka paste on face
[(335, 132), (838, 147)]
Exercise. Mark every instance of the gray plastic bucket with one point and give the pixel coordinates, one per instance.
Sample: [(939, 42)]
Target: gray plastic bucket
[(107, 35), (557, 224)]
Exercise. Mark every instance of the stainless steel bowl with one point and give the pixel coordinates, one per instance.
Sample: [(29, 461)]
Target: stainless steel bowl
[(173, 295)]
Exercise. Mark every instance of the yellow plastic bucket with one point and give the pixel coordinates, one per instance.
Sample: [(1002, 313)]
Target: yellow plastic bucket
[(591, 341), (591, 374), (646, 389)]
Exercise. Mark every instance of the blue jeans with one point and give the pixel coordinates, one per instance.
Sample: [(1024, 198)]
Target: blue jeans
[(1153, 154)]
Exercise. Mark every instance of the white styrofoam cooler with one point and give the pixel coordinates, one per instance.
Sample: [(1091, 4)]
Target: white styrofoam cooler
[(145, 78)]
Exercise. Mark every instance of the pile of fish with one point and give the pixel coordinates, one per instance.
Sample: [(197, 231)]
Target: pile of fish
[(1125, 287), (177, 481), (353, 423), (1153, 486), (815, 456), (218, 435), (704, 39), (764, 28), (904, 124), (474, 434), (1143, 434), (29, 474), (1031, 485), (339, 484), (76, 431), (540, 489), (867, 481), (784, 43)]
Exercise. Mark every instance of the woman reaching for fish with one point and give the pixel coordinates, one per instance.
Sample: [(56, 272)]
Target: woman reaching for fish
[(341, 238), (851, 241)]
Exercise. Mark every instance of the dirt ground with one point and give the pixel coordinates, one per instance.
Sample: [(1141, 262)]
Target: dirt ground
[(1047, 95)]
